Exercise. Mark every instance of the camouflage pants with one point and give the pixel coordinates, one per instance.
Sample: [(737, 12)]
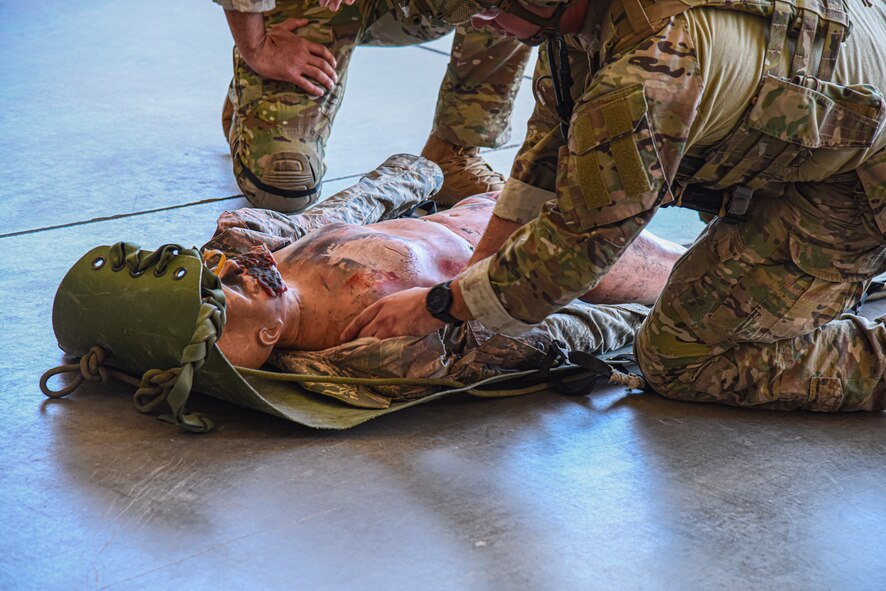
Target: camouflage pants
[(755, 313), (278, 134)]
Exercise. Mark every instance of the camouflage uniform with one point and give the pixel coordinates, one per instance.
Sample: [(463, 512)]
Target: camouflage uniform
[(729, 95), (278, 134)]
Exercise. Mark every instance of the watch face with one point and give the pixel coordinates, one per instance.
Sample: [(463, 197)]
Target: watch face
[(438, 299)]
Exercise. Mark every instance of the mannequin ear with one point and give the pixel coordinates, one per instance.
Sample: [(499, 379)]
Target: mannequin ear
[(269, 335)]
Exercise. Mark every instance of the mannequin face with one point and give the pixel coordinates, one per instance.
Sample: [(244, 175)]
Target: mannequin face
[(254, 318)]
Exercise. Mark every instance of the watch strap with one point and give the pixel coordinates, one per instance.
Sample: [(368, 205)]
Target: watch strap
[(443, 315)]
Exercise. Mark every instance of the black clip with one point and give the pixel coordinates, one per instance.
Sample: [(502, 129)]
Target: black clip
[(555, 357), (739, 203)]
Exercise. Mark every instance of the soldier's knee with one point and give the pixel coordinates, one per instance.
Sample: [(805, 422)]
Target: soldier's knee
[(671, 377), (287, 182)]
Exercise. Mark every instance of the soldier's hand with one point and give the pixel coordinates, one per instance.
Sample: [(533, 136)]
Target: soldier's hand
[(398, 314), (334, 5), (283, 55)]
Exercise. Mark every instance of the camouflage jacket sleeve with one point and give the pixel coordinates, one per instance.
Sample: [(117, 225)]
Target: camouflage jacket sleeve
[(627, 136), (534, 173), (246, 5)]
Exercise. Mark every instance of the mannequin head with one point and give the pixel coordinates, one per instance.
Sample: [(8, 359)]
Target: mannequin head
[(255, 307)]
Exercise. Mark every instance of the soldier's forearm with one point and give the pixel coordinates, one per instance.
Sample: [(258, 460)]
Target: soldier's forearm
[(247, 29), (562, 264), (542, 267), (640, 274), (459, 307), (494, 236)]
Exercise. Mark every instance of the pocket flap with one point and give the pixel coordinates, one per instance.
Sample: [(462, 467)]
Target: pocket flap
[(831, 264), (825, 394), (607, 117), (817, 114)]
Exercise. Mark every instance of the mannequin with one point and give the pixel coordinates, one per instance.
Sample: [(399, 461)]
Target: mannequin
[(302, 296)]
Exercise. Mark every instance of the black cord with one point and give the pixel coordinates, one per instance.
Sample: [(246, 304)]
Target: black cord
[(561, 79)]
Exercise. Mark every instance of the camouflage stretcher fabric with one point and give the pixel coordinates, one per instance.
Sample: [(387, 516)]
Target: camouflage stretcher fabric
[(279, 132), (772, 97), (468, 355)]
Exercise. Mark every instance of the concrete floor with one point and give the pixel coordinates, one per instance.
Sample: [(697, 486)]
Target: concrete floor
[(110, 110)]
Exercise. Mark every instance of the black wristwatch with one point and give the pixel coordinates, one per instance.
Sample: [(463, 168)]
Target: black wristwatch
[(439, 301)]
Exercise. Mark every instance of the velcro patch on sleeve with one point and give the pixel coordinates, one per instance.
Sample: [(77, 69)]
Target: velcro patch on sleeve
[(621, 122), (609, 169)]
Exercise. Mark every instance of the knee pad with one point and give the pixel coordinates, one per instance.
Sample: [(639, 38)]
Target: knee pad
[(288, 182)]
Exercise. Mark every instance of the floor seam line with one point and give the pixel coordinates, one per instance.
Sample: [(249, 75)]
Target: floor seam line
[(121, 216)]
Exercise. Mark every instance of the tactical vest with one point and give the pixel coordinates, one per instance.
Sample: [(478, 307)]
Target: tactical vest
[(796, 110)]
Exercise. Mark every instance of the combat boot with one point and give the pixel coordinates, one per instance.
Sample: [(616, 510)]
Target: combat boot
[(465, 173)]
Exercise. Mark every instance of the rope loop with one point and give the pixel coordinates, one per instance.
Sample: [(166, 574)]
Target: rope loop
[(173, 386), (76, 381), (92, 365), (156, 384), (90, 368)]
